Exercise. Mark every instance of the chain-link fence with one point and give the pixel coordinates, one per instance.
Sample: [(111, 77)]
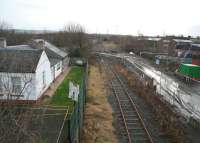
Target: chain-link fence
[(44, 123), (72, 127)]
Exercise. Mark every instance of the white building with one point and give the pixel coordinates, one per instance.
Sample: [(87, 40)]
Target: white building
[(58, 58), (26, 71)]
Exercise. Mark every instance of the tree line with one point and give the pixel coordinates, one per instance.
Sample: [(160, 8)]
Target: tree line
[(71, 38)]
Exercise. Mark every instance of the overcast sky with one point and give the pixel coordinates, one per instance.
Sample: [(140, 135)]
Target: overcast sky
[(149, 17)]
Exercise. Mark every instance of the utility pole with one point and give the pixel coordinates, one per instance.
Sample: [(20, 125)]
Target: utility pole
[(167, 57), (166, 45), (160, 81)]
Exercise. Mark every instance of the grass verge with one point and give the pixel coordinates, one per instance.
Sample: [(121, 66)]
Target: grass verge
[(60, 97)]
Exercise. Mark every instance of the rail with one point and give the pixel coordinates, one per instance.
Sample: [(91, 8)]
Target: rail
[(127, 106)]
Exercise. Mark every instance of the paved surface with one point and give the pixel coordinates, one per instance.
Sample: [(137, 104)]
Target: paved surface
[(54, 85), (186, 98)]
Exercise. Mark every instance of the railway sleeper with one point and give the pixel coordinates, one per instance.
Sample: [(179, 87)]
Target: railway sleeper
[(130, 115), (126, 112), (129, 112), (125, 103), (139, 140), (138, 130), (132, 119), (127, 116), (121, 95), (122, 99), (118, 87), (125, 100), (133, 124), (126, 107)]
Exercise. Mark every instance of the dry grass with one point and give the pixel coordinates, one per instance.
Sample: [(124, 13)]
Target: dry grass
[(98, 122), (110, 45), (169, 121)]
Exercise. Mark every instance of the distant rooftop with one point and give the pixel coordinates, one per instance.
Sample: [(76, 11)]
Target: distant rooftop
[(23, 58), (154, 39), (20, 47), (195, 47), (55, 49), (18, 61), (52, 50), (182, 41)]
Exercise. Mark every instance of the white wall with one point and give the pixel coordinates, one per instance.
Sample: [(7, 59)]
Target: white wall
[(27, 86), (58, 72), (53, 72), (32, 83), (43, 66)]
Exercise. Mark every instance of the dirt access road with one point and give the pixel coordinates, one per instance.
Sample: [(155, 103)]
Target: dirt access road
[(98, 119)]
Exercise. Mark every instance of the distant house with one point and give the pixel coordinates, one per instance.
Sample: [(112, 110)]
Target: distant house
[(58, 58), (181, 46), (188, 50), (193, 49), (154, 44), (26, 71)]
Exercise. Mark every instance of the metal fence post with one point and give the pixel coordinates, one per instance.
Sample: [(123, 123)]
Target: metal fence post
[(69, 132)]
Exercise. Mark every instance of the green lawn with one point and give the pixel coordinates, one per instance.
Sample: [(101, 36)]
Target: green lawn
[(60, 97)]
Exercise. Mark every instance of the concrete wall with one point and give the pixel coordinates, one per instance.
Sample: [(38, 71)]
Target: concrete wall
[(58, 71)]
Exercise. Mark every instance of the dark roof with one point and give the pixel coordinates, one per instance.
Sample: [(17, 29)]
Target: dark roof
[(54, 61), (183, 46), (19, 61), (20, 47), (51, 54), (56, 50), (182, 40), (53, 57), (195, 47), (52, 51)]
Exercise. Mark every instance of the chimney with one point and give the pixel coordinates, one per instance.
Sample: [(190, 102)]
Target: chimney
[(3, 43), (41, 44)]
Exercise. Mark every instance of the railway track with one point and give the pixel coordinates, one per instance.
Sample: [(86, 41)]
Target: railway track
[(134, 129)]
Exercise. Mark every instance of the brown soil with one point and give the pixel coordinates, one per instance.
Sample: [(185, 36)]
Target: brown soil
[(98, 119)]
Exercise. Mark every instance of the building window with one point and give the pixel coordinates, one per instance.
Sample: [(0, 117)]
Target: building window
[(43, 78), (58, 66), (16, 83)]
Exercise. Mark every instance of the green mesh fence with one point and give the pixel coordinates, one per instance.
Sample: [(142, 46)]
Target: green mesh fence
[(47, 123), (76, 118), (72, 129)]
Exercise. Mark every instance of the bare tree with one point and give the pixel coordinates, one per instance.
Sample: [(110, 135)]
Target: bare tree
[(4, 26), (75, 33), (15, 122)]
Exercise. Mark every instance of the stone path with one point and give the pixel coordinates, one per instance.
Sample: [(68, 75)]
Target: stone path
[(54, 85)]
